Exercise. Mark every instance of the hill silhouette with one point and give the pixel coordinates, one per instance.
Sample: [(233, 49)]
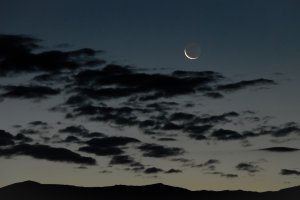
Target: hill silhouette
[(35, 191)]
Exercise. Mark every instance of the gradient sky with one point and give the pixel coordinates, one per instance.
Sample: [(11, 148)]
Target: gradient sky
[(246, 40)]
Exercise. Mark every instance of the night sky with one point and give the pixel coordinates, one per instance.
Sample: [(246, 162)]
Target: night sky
[(99, 92)]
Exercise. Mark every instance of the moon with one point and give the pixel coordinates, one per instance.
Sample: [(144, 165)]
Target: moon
[(192, 51)]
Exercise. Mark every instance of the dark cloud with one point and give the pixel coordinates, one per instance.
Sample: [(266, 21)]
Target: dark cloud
[(71, 139), (105, 172), (29, 131), (48, 153), (223, 134), (229, 175), (162, 106), (183, 160), (153, 170), (76, 100), (23, 138), (52, 78), (244, 84), (249, 167), (75, 130), (38, 123), (198, 136), (166, 139), (172, 171), (181, 116), (27, 92), (118, 115), (102, 151), (107, 145), (111, 141), (216, 118), (13, 49), (124, 160), (151, 96), (95, 135), (169, 126), (198, 132), (224, 174), (286, 130), (151, 86), (82, 167), (214, 95), (289, 172), (107, 93), (208, 165), (148, 124), (16, 55), (211, 162), (154, 150), (6, 138), (16, 44), (120, 120), (280, 149), (206, 75), (275, 131), (41, 125), (150, 132)]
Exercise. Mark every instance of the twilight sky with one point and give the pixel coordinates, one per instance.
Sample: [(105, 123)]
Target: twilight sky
[(98, 93)]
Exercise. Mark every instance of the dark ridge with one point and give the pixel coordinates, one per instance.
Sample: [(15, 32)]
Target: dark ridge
[(25, 183), (295, 189), (280, 149), (35, 191)]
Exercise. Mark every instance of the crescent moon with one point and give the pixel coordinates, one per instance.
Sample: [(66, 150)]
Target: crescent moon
[(189, 57)]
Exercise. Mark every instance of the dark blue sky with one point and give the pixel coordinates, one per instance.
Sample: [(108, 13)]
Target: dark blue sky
[(234, 35)]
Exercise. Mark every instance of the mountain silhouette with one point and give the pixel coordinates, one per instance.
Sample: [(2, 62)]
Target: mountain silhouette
[(30, 190)]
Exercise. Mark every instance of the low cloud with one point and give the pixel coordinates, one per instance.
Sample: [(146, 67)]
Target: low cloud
[(102, 151), (71, 139), (29, 131), (6, 138), (223, 118), (16, 56), (248, 167), (275, 131), (280, 149), (121, 160), (243, 84), (159, 151), (210, 162), (214, 95), (150, 86), (80, 130), (47, 153), (223, 134), (22, 138), (126, 160), (288, 172), (75, 130), (208, 165), (198, 132), (38, 123), (107, 145), (111, 141), (172, 171), (153, 170), (29, 92), (224, 174)]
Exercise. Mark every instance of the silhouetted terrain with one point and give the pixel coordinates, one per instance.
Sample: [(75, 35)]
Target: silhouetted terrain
[(35, 191)]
